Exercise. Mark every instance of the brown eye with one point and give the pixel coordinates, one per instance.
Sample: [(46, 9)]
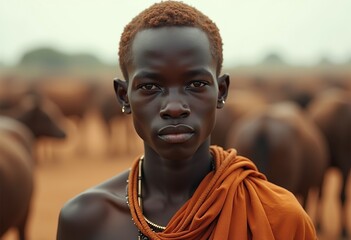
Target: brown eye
[(149, 87), (197, 84)]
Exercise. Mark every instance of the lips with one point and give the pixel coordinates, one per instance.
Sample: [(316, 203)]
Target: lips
[(176, 133)]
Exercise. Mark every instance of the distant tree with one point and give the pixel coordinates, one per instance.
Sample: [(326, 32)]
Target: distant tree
[(49, 58), (325, 61), (44, 57), (273, 59), (85, 60)]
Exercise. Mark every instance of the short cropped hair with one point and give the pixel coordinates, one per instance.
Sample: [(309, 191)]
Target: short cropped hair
[(169, 13)]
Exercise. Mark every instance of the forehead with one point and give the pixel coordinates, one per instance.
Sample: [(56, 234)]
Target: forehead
[(177, 43)]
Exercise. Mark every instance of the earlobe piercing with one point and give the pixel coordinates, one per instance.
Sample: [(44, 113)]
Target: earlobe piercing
[(221, 101), (123, 109)]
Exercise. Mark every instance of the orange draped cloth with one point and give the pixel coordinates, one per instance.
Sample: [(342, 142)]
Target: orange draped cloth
[(234, 202)]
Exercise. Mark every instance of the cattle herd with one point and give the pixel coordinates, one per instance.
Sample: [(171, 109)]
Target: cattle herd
[(295, 125)]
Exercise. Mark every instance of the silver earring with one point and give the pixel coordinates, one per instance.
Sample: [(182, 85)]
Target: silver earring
[(221, 101), (123, 109)]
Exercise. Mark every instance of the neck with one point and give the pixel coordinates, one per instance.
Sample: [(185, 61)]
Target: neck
[(175, 178)]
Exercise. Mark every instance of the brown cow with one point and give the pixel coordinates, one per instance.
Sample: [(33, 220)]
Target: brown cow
[(284, 145), (12, 89), (16, 176), (75, 98), (331, 111), (16, 163), (120, 133), (110, 113), (241, 103)]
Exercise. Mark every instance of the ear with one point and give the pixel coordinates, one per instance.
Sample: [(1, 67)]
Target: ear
[(121, 90), (223, 87)]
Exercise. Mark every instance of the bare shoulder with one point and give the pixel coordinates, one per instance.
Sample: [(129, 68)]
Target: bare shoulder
[(100, 212)]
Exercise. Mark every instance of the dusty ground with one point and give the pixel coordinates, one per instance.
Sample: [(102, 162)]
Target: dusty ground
[(61, 179), (58, 182)]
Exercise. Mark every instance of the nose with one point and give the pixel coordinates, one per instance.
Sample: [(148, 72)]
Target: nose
[(174, 107)]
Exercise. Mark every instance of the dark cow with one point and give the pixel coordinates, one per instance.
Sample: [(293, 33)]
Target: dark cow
[(120, 133), (284, 145), (331, 111), (16, 162), (12, 89), (16, 175), (73, 96), (242, 102), (110, 113)]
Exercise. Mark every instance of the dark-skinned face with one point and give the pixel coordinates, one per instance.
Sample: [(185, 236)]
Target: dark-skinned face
[(173, 90)]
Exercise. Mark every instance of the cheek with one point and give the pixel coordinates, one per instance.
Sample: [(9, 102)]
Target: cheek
[(141, 124), (208, 112), (142, 116), (211, 120), (210, 104), (138, 127)]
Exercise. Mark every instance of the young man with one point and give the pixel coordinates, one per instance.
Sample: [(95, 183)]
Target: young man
[(181, 188)]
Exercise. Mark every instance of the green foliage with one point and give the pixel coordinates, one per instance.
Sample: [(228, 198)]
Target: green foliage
[(45, 57), (273, 59), (49, 58)]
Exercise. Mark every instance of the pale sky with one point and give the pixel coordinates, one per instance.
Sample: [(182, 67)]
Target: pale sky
[(301, 30)]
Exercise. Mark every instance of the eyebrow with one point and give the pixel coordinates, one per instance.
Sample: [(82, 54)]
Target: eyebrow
[(189, 73), (146, 74), (198, 71)]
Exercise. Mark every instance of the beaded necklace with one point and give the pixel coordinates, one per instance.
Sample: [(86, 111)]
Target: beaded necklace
[(154, 227)]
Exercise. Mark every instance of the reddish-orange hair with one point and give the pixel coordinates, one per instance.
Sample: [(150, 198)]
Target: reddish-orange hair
[(169, 13)]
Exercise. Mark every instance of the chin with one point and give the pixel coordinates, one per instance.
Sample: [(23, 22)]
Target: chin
[(178, 152)]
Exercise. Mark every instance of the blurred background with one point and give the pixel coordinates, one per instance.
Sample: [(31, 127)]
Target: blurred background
[(57, 62)]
